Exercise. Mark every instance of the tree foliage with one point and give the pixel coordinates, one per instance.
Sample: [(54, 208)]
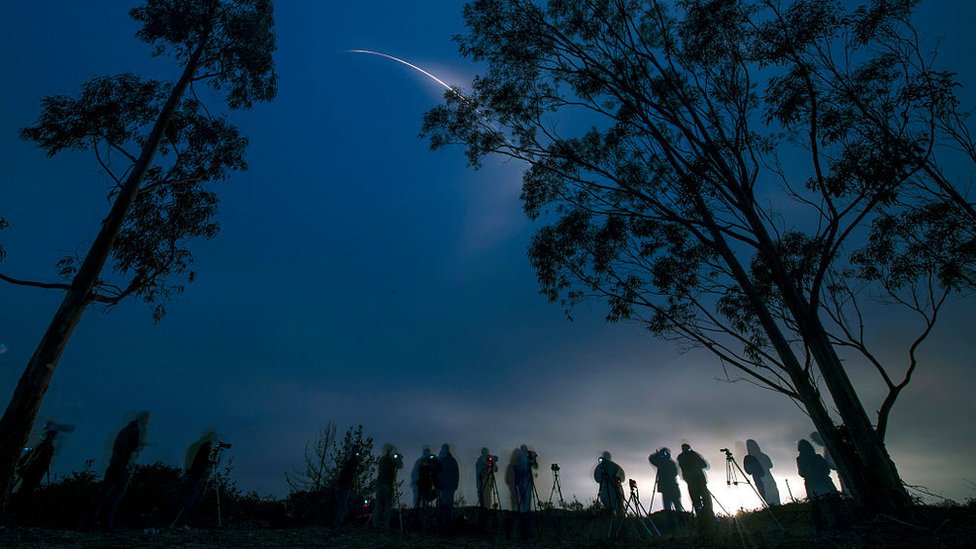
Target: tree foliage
[(163, 149), (741, 175), (315, 484), (113, 116)]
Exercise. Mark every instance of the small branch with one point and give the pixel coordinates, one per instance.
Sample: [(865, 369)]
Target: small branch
[(34, 284)]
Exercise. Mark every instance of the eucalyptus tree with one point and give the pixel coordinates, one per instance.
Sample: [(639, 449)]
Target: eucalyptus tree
[(162, 149), (733, 174)]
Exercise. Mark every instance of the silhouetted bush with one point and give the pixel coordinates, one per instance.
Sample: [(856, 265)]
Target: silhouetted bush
[(65, 503)]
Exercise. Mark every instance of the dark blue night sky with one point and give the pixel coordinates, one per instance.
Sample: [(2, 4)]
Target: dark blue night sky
[(360, 278)]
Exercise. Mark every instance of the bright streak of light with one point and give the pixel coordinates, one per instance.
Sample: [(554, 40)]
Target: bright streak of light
[(407, 63)]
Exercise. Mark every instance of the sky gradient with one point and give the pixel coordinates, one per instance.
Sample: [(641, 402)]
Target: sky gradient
[(360, 278)]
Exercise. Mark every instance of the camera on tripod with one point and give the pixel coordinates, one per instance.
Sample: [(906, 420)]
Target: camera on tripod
[(491, 460), (728, 453), (633, 484), (533, 459), (554, 466)]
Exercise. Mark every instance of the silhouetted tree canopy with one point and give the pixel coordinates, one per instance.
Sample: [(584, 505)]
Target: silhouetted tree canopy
[(741, 175), (163, 149)]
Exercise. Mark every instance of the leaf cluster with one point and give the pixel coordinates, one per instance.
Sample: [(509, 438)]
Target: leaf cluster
[(239, 42), (667, 205), (227, 44)]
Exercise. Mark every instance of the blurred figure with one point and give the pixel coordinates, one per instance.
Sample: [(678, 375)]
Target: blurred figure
[(814, 470), (610, 477), (130, 440), (816, 479), (197, 469), (523, 462), (449, 479), (386, 477), (344, 484), (485, 469), (758, 465), (667, 479), (818, 440), (35, 463), (693, 471), (428, 478)]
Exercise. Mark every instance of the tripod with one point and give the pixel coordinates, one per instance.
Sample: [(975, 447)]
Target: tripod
[(735, 521), (489, 500), (533, 496), (399, 503), (489, 489), (732, 472), (610, 485), (637, 508), (556, 488), (215, 453)]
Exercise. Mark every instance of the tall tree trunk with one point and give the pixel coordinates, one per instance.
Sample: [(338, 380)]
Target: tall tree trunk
[(870, 468), (21, 412), (808, 393)]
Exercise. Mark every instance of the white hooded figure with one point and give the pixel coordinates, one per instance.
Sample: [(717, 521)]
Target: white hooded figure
[(610, 477)]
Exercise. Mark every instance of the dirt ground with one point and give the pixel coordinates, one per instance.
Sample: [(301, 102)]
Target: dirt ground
[(790, 528)]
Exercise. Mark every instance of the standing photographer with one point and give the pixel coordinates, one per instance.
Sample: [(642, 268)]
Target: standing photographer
[(386, 477), (428, 478), (344, 482), (128, 443), (485, 467), (693, 471), (198, 467), (450, 477), (524, 462), (667, 479), (610, 477)]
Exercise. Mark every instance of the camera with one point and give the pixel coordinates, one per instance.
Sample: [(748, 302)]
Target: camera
[(491, 459), (633, 484), (554, 466), (728, 453), (223, 445), (533, 459), (600, 459)]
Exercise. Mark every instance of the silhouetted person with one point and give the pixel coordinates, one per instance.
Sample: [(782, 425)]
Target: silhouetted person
[(485, 469), (693, 471), (816, 479), (667, 479), (428, 478), (197, 469), (344, 484), (128, 443), (523, 462), (449, 479), (35, 463), (758, 465), (818, 440), (386, 476), (610, 477)]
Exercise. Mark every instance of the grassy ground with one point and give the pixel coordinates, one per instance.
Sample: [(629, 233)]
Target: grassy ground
[(790, 526)]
